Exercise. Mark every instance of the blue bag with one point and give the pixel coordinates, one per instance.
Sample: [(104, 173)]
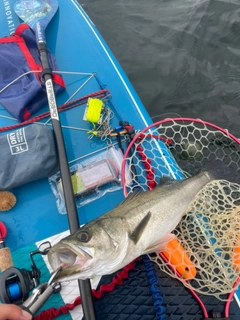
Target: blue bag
[(18, 55)]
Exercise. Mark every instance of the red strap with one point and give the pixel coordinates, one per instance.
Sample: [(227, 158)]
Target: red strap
[(58, 80), (12, 38), (26, 114), (31, 62), (22, 27), (17, 36)]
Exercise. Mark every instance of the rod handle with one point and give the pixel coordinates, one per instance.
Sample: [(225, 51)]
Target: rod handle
[(43, 51)]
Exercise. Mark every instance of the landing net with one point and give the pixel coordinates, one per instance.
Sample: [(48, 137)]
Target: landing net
[(206, 257)]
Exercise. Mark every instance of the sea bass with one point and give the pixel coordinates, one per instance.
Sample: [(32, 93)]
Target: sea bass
[(141, 224)]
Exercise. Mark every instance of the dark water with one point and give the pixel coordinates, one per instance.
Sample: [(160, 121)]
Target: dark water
[(182, 56)]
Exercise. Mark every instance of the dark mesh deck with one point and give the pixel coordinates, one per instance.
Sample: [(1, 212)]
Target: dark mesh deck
[(133, 300)]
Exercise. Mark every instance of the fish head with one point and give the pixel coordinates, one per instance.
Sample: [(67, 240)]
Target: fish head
[(95, 249)]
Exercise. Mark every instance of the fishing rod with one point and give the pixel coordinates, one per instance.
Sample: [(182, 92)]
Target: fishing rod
[(38, 14)]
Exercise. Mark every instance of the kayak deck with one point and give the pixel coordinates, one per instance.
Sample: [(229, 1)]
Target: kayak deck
[(87, 66)]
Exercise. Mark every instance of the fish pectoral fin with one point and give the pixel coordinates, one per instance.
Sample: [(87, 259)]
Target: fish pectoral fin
[(137, 232), (160, 244)]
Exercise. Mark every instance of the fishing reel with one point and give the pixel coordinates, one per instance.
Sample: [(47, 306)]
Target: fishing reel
[(16, 284)]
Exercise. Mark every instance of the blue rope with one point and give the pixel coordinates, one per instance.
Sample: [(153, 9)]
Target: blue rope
[(154, 288)]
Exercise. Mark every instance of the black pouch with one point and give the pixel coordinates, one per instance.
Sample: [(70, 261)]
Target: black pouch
[(26, 155)]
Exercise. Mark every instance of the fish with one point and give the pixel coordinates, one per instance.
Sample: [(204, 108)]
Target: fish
[(141, 224)]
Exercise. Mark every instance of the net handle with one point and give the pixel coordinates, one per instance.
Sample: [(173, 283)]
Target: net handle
[(138, 135)]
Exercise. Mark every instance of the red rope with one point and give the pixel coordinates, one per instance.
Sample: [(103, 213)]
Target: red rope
[(149, 170), (117, 280), (166, 140), (64, 107)]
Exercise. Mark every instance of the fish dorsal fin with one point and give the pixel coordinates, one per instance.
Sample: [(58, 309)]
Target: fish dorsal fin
[(160, 244), (131, 196), (137, 232), (165, 180)]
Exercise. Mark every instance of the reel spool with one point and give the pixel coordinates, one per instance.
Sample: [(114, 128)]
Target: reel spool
[(209, 232), (16, 284)]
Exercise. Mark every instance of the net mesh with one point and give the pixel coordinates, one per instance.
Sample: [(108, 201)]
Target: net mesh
[(192, 143), (206, 253), (210, 236)]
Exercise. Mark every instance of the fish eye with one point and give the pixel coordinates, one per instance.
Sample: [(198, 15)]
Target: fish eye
[(83, 236)]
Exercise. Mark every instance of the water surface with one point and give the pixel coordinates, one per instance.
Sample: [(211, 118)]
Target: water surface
[(182, 57)]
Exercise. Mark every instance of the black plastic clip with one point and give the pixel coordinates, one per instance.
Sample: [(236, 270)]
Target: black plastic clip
[(217, 316)]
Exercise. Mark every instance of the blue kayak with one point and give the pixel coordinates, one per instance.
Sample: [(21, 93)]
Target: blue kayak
[(87, 66), (89, 70)]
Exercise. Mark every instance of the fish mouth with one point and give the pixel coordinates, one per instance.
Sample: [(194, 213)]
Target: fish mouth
[(71, 258)]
